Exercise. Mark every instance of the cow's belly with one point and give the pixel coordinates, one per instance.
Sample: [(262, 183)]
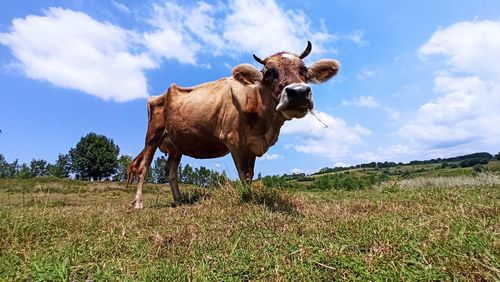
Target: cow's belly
[(196, 146)]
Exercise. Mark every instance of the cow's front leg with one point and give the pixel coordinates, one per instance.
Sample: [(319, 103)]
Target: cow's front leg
[(148, 152), (245, 163)]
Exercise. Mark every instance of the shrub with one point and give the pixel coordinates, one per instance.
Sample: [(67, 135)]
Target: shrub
[(344, 181), (279, 182), (478, 168)]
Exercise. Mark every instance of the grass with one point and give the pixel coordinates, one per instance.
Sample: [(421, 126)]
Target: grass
[(54, 230)]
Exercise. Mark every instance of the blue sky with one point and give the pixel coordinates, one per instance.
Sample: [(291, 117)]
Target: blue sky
[(418, 80)]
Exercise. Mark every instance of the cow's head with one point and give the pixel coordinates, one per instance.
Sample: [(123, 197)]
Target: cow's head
[(284, 80)]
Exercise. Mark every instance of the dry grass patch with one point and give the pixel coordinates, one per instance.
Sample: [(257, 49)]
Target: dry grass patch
[(236, 234)]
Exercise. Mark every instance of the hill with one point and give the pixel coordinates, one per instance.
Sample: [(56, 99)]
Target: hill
[(366, 175), (462, 161)]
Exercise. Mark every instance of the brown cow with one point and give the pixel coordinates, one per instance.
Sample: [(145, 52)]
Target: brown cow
[(241, 115)]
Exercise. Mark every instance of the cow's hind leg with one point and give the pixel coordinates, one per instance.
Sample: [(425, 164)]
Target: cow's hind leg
[(173, 162), (147, 158)]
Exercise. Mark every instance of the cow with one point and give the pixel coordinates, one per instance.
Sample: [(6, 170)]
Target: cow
[(241, 115)]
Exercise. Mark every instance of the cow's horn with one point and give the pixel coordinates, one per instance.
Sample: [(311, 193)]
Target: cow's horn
[(307, 51), (259, 60)]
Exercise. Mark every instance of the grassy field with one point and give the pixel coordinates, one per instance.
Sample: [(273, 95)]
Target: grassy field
[(416, 229)]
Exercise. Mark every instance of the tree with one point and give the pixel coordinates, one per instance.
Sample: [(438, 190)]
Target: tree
[(160, 174), (187, 175), (122, 168), (4, 167), (24, 171), (94, 157), (497, 156), (62, 167), (38, 168), (201, 176)]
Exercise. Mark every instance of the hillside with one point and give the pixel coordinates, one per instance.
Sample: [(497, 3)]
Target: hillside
[(469, 160), (368, 175)]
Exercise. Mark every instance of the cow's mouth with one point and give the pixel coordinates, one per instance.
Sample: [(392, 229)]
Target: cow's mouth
[(295, 112)]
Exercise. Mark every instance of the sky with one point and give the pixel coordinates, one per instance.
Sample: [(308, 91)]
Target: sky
[(418, 79)]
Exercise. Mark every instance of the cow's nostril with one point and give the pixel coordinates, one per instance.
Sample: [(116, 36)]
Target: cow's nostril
[(302, 90)]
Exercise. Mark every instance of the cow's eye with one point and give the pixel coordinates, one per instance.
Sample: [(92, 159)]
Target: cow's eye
[(303, 71), (270, 74)]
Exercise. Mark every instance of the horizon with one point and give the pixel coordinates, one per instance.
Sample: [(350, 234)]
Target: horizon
[(408, 89)]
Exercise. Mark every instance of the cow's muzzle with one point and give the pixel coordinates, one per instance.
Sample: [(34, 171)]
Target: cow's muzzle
[(296, 100)]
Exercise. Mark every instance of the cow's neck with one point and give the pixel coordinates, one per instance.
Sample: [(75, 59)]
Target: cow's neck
[(269, 126)]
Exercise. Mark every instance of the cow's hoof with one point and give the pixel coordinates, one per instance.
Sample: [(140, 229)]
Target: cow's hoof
[(138, 204)]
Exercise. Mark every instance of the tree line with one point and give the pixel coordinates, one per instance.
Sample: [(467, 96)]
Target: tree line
[(96, 157)]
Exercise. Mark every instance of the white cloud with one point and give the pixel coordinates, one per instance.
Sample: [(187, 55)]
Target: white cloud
[(70, 49), (392, 113), (340, 164), (265, 28), (120, 6), (185, 32), (469, 47), (312, 137), (382, 154), (357, 37), (271, 157), (465, 115), (297, 171), (182, 33), (366, 73), (362, 101)]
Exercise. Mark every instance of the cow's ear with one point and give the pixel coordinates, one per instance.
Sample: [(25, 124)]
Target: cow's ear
[(247, 74), (322, 70)]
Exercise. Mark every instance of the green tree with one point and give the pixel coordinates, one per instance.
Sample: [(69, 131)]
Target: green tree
[(62, 167), (122, 168), (202, 176), (187, 175), (4, 167), (94, 157), (38, 167), (160, 174), (24, 171)]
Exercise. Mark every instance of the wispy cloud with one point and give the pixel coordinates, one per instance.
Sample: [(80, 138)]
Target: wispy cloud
[(120, 6), (362, 101), (366, 73), (271, 157), (392, 113), (357, 37)]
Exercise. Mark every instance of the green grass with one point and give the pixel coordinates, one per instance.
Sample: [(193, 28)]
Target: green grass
[(54, 230)]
